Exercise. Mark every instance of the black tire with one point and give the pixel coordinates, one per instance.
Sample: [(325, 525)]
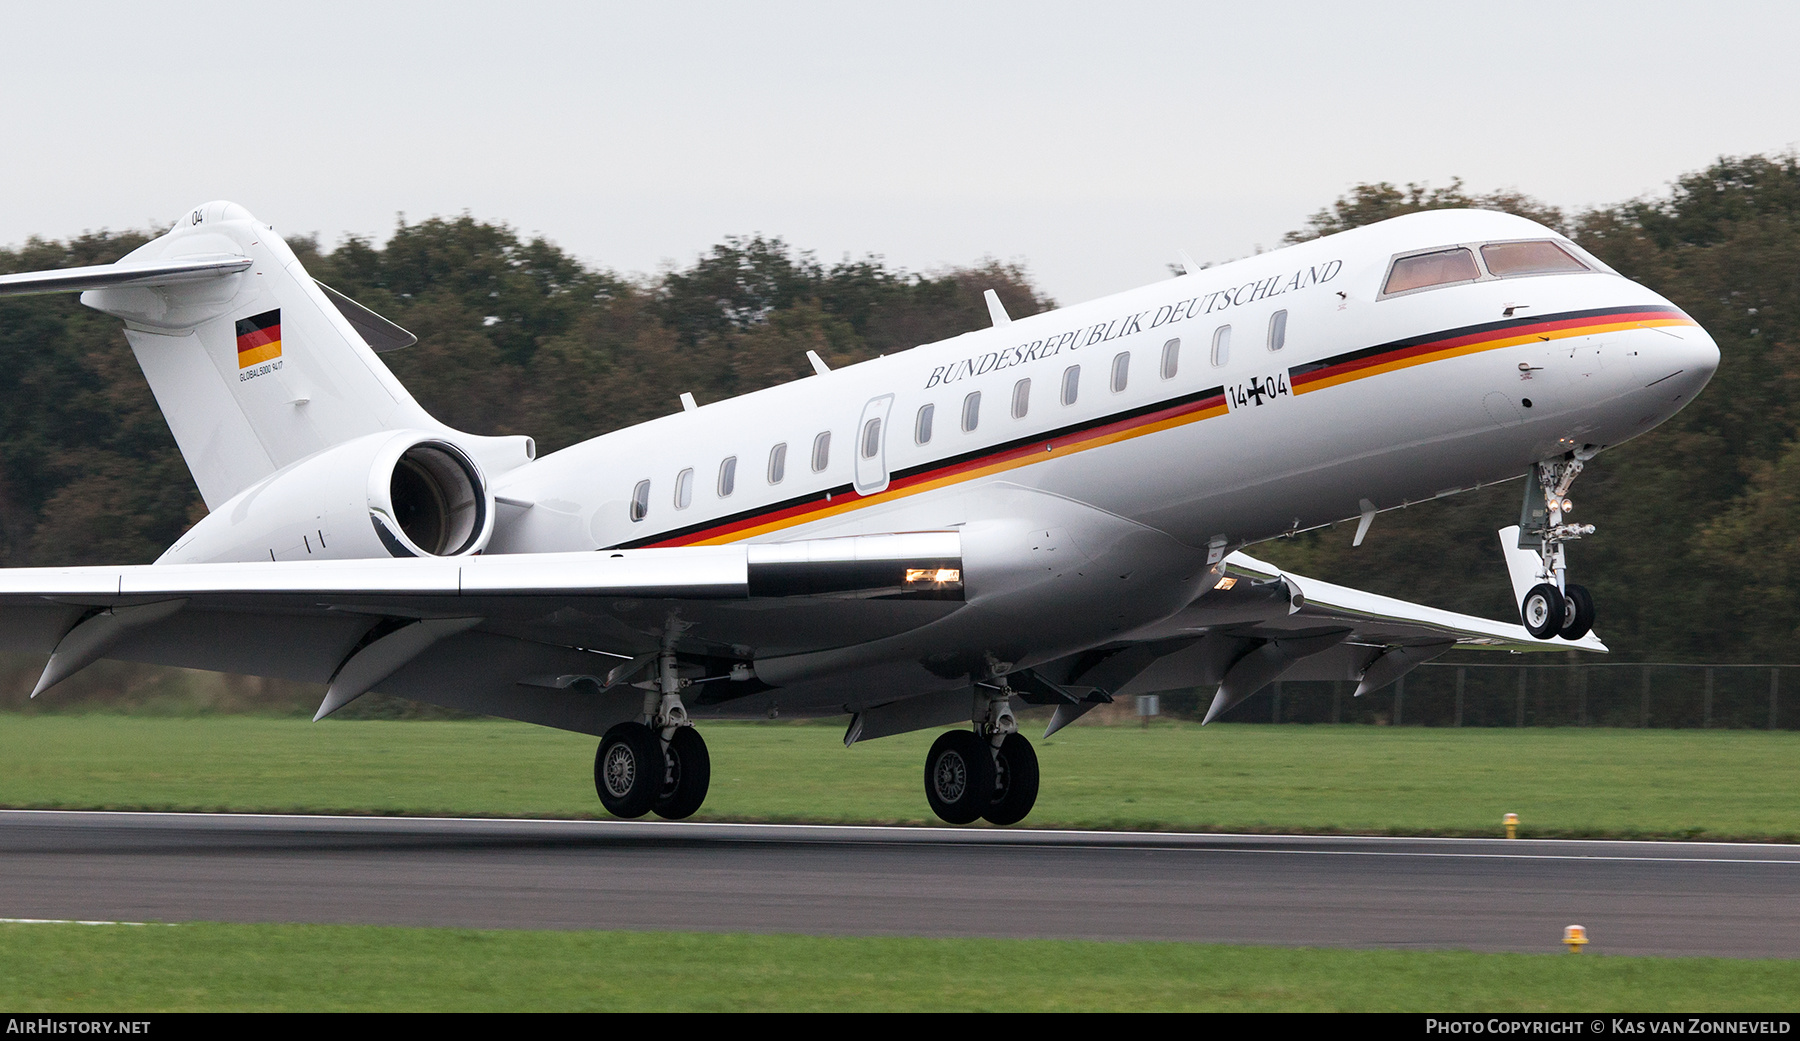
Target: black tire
[(1542, 611), (1015, 781), (629, 770), (959, 776), (1578, 613), (689, 773)]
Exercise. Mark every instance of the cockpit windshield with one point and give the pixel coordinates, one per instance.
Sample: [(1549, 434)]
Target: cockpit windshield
[(1505, 259), (1432, 269), (1456, 264)]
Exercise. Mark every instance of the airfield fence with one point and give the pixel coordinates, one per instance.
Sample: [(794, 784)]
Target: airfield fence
[(1450, 694)]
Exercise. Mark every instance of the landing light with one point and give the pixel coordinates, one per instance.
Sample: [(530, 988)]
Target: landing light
[(934, 575), (1226, 583)]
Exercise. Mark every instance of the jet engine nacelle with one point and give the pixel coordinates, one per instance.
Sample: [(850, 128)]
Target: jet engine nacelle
[(391, 494)]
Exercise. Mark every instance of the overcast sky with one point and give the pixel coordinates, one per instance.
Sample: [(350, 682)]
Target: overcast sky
[(1087, 141)]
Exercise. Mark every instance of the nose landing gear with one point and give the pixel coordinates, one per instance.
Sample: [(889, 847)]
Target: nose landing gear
[(1556, 607)]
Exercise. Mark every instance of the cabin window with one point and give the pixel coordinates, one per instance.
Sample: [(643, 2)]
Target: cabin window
[(1071, 384), (684, 488), (971, 417), (1221, 345), (871, 439), (778, 463), (1121, 370), (640, 501), (1432, 269), (1506, 259), (821, 457), (922, 425), (1171, 360), (1021, 398), (1278, 330), (728, 477)]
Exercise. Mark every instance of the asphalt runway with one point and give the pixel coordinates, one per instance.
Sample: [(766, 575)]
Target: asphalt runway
[(1482, 894)]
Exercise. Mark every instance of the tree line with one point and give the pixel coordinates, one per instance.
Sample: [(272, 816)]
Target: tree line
[(1696, 558)]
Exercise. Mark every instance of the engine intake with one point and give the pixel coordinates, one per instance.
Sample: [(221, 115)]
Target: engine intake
[(392, 494), (438, 501)]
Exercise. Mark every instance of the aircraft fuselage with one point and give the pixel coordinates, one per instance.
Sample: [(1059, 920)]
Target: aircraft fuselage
[(1389, 400), (1159, 428)]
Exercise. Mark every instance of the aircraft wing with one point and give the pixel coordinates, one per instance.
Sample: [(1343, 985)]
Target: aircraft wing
[(1386, 620), (1259, 624), (533, 637)]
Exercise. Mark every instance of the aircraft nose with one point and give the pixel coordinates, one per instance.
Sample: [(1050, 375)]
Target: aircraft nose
[(1678, 359), (1698, 357)]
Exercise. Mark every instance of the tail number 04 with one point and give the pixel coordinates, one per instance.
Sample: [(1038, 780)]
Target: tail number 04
[(1258, 390)]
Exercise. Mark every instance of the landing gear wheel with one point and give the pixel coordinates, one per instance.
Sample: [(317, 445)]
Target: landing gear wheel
[(1542, 611), (1578, 613), (689, 772), (629, 770), (959, 776), (1015, 782)]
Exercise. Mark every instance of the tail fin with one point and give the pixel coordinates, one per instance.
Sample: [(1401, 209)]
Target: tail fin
[(253, 365)]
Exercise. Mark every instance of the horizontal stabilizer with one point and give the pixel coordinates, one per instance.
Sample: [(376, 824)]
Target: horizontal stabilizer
[(104, 276)]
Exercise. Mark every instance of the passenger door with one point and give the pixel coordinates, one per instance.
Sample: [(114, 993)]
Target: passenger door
[(871, 446)]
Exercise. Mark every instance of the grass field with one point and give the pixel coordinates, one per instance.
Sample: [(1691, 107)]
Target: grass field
[(1590, 782), (1362, 779), (210, 967)]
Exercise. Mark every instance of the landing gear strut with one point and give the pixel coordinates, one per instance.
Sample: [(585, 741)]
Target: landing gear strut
[(657, 762), (990, 772), (1556, 607)]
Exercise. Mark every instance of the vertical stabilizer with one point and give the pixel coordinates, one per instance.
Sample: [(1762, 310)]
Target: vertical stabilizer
[(254, 368)]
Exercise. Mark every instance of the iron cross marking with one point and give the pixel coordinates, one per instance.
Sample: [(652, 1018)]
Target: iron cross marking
[(1257, 391)]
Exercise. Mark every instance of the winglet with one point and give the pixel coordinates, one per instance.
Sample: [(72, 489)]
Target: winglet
[(1363, 521), (818, 363), (996, 309), (1523, 567), (1188, 266)]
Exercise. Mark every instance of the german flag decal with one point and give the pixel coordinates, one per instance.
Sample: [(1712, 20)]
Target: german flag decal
[(259, 338)]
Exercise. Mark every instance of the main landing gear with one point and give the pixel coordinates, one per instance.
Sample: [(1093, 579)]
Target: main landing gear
[(990, 772), (657, 763), (638, 771), (1556, 607)]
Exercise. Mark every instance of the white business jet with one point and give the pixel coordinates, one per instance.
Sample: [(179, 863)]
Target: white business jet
[(1046, 512)]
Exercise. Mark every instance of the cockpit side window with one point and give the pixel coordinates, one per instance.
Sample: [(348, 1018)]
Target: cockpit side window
[(1506, 259), (1438, 268)]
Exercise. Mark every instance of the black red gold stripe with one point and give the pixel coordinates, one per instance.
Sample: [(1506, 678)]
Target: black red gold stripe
[(1163, 415), (1473, 339)]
